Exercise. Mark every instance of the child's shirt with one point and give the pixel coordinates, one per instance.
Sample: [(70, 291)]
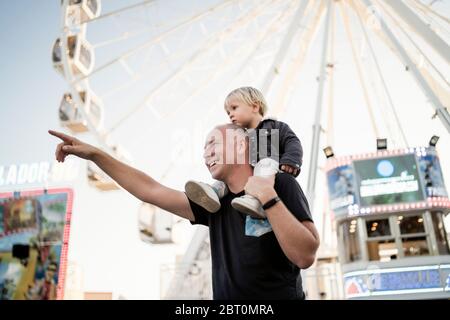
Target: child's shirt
[(276, 140)]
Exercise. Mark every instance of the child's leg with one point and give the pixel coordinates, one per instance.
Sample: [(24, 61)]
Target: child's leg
[(248, 204), (205, 195)]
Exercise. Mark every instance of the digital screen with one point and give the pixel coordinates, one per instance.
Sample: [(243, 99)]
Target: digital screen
[(341, 188), (33, 242), (388, 180), (431, 172)]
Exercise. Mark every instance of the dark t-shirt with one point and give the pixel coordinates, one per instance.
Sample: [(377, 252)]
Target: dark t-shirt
[(247, 260)]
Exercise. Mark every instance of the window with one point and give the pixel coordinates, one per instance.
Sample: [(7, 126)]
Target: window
[(381, 245), (412, 234), (378, 228), (441, 233), (351, 241), (382, 250), (411, 224), (415, 246)]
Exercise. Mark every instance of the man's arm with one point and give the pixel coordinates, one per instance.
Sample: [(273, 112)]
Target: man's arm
[(299, 240), (134, 181)]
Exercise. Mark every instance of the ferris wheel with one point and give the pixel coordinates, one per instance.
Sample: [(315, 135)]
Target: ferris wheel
[(163, 59)]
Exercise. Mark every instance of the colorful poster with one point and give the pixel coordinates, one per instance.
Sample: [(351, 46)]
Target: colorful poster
[(432, 177), (34, 231), (341, 188)]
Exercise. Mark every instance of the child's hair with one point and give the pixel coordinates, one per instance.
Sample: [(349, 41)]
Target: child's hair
[(250, 96)]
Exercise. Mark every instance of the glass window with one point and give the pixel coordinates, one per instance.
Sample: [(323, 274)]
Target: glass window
[(382, 250), (441, 234), (378, 228), (411, 224), (351, 243), (416, 246)]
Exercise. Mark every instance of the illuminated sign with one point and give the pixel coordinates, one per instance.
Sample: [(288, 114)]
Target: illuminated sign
[(395, 281), (388, 180), (34, 235), (40, 172)]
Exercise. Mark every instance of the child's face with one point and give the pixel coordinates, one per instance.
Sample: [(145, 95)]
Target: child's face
[(241, 113)]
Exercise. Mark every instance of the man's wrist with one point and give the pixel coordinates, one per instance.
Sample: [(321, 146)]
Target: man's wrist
[(267, 196), (96, 155)]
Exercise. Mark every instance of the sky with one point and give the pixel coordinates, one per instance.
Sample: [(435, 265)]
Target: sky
[(165, 137)]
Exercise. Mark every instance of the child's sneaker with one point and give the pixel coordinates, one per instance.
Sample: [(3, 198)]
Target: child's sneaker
[(249, 205), (205, 195)]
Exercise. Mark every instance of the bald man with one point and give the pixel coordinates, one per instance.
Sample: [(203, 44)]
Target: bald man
[(251, 258)]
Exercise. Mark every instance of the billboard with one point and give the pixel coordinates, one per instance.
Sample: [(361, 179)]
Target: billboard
[(388, 180), (431, 173), (34, 234), (341, 188)]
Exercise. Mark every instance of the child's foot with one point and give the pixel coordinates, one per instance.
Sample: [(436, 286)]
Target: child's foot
[(249, 205), (202, 194)]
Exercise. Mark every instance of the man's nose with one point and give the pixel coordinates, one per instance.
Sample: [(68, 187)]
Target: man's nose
[(208, 153)]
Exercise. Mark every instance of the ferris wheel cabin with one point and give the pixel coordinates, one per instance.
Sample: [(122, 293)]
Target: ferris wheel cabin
[(87, 9), (80, 55), (100, 180), (155, 224), (389, 209), (70, 115)]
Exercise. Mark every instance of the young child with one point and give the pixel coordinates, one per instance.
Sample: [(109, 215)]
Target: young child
[(247, 107)]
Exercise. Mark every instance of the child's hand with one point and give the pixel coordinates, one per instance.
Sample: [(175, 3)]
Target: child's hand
[(289, 169)]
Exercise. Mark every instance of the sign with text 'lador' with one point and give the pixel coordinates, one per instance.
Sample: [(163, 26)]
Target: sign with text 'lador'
[(39, 172)]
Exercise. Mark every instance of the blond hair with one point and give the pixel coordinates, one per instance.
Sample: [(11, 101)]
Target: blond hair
[(250, 96)]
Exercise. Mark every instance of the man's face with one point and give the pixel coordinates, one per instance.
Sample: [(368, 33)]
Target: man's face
[(214, 153), (222, 151)]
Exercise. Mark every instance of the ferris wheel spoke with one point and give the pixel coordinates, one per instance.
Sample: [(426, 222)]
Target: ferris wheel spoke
[(121, 10), (305, 39), (426, 9), (381, 76), (142, 72), (359, 69), (273, 26), (154, 40), (271, 29), (194, 58), (416, 46)]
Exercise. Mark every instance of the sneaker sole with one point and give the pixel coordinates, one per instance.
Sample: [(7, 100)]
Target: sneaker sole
[(239, 207), (200, 196)]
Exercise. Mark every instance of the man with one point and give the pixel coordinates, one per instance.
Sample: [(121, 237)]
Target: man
[(251, 258)]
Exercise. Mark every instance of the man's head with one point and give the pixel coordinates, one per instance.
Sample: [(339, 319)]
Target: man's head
[(226, 148), (244, 104)]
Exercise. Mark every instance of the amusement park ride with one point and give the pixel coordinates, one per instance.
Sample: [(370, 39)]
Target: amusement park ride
[(387, 208)]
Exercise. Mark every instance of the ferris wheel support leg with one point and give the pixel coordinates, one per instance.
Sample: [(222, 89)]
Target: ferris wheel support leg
[(311, 185), (312, 174), (421, 28), (440, 109)]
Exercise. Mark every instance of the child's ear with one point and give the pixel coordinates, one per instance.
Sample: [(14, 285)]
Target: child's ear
[(256, 107)]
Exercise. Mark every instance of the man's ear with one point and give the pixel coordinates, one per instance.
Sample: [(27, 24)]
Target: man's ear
[(241, 149)]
